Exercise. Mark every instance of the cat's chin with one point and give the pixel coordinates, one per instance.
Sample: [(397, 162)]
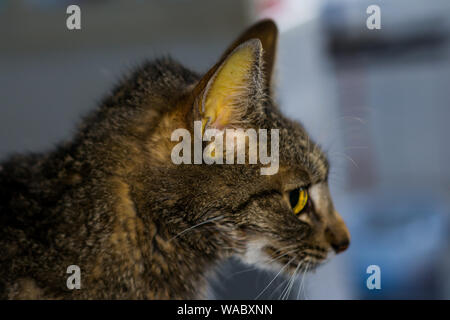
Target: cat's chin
[(304, 266), (256, 255)]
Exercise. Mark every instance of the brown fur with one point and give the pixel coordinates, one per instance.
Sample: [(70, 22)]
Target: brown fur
[(140, 227)]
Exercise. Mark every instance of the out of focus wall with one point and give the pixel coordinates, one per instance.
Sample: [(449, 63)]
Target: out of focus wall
[(377, 101), (49, 76)]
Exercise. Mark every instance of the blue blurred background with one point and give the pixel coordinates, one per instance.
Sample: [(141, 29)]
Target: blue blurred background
[(376, 100)]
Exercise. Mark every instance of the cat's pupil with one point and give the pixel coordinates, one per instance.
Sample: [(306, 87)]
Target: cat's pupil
[(294, 195)]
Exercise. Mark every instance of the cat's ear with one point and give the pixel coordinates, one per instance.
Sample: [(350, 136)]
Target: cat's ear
[(267, 32), (228, 94)]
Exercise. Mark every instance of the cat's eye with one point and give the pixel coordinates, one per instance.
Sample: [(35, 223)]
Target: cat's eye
[(298, 199)]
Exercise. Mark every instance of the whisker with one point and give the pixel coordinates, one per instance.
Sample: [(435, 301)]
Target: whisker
[(255, 267), (195, 226), (290, 284), (356, 147), (298, 271), (279, 272), (345, 156), (278, 287), (303, 281), (336, 125)]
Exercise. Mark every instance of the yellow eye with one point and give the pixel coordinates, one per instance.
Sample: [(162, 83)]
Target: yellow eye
[(298, 199)]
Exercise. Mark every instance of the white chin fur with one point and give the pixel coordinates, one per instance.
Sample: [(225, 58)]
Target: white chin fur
[(255, 256)]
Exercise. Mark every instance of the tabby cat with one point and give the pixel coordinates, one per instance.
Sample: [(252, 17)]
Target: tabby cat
[(112, 202)]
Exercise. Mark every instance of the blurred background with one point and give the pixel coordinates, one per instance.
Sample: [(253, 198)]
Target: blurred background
[(378, 101)]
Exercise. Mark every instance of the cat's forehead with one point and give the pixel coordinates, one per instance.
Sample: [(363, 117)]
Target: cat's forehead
[(299, 151)]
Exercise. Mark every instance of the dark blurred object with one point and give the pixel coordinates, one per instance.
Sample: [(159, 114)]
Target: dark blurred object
[(405, 26)]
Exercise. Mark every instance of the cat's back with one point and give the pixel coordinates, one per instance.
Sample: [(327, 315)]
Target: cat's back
[(20, 207), (56, 206), (18, 179), (33, 185), (26, 195)]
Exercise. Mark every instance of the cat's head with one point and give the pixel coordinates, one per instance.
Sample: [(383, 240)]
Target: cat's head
[(282, 218)]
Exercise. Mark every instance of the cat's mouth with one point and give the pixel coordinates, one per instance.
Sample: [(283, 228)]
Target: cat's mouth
[(296, 260)]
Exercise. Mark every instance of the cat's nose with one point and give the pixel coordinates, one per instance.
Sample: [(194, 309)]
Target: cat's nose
[(341, 246), (338, 235), (338, 239)]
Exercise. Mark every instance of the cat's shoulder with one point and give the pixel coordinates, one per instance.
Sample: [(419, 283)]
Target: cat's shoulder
[(162, 72)]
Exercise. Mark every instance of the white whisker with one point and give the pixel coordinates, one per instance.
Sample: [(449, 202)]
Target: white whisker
[(195, 226), (290, 284), (279, 272)]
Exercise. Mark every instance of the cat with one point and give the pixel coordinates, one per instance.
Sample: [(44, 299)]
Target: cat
[(138, 226)]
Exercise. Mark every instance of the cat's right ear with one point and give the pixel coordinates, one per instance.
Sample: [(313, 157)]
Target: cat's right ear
[(265, 31), (226, 95)]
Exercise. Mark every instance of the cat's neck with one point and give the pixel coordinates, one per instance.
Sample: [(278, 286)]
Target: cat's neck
[(180, 264), (175, 257)]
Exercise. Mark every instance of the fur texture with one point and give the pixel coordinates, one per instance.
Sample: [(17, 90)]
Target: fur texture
[(140, 227)]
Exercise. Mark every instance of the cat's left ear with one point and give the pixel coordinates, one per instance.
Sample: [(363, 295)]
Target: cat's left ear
[(231, 92)]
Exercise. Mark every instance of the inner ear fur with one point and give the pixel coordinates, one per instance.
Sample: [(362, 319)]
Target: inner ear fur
[(262, 37), (267, 32)]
